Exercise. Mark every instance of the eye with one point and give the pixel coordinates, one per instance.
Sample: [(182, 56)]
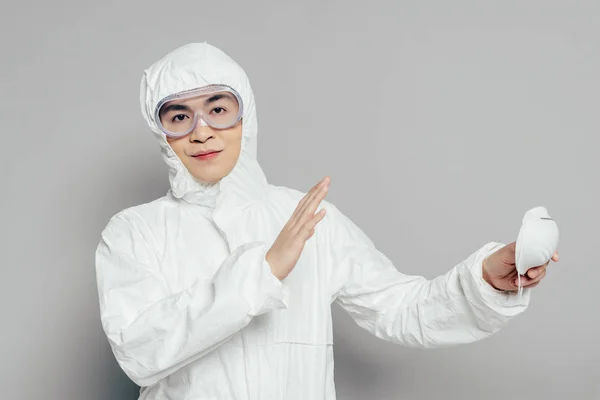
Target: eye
[(178, 118), (218, 110)]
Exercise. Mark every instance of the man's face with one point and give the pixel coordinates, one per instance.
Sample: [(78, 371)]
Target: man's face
[(209, 154)]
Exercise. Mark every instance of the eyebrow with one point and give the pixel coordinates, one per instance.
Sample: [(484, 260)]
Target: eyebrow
[(218, 96), (182, 107), (173, 107)]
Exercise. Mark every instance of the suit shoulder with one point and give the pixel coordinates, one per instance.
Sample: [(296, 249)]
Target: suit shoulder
[(283, 193), (279, 192), (136, 215)]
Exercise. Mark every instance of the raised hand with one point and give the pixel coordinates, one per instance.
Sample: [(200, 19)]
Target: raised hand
[(287, 248)]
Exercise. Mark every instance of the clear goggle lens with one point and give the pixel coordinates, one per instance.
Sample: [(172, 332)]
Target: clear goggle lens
[(217, 106)]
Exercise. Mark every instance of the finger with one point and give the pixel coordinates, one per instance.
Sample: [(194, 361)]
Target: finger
[(535, 271), (317, 217), (318, 192), (309, 196), (305, 199), (533, 285), (310, 219), (535, 281), (555, 256), (309, 208), (307, 211), (309, 228), (526, 281)]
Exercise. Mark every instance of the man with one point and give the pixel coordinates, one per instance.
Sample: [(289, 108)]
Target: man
[(223, 288)]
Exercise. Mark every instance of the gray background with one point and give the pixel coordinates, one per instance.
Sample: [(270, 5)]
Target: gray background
[(440, 124)]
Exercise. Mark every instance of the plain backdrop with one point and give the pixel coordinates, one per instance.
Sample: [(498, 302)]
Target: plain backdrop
[(440, 124)]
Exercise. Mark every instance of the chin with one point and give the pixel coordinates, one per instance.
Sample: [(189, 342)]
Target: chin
[(209, 179), (210, 174)]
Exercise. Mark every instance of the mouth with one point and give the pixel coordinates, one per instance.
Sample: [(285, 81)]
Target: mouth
[(206, 155)]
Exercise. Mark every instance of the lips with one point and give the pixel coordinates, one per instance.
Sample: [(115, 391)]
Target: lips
[(206, 153)]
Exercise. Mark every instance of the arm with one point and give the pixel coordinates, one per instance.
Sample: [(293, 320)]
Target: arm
[(454, 308), (153, 331)]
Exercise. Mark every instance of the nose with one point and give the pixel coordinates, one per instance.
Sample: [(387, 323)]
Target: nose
[(201, 133)]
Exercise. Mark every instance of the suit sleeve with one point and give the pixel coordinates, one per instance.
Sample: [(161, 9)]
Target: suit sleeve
[(153, 331), (454, 308)]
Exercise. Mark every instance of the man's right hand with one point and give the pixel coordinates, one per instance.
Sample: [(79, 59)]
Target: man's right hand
[(286, 250)]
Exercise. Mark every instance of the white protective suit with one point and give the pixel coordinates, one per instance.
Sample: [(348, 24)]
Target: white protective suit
[(190, 306)]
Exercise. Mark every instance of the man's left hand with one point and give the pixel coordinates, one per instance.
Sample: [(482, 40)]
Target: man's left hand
[(499, 270)]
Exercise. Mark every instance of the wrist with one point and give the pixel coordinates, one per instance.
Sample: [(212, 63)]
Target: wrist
[(274, 270), (276, 274)]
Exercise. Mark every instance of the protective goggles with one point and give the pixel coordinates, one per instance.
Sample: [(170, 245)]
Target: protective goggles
[(217, 106)]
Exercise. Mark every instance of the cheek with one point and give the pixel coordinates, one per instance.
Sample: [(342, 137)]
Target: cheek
[(233, 143), (177, 145), (234, 138)]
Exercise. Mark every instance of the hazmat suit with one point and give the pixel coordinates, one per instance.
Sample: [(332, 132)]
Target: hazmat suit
[(190, 306)]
